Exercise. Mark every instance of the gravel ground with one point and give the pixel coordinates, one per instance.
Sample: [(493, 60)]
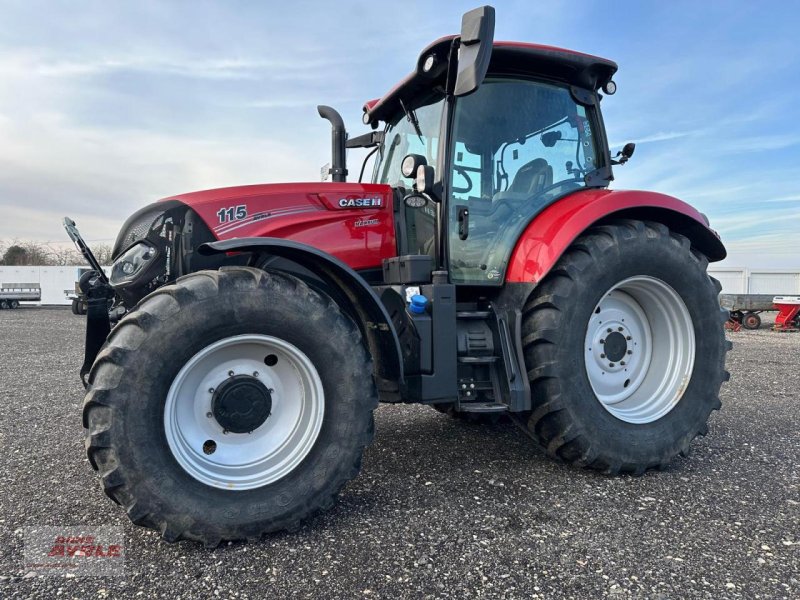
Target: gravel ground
[(441, 508)]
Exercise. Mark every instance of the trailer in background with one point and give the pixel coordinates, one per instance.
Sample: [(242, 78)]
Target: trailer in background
[(11, 294), (746, 308)]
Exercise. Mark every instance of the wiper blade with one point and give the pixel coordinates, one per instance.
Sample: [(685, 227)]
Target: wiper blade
[(412, 118)]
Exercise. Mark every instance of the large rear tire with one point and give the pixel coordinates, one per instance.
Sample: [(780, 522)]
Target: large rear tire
[(230, 404), (625, 347), (75, 306)]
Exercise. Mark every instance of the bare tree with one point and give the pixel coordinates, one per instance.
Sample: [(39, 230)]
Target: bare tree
[(65, 256), (102, 253), (31, 253)]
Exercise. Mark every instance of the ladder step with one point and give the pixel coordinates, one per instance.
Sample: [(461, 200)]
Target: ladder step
[(482, 407), (477, 360), (473, 314)]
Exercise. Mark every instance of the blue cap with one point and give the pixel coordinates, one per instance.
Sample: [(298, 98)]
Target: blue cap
[(417, 304)]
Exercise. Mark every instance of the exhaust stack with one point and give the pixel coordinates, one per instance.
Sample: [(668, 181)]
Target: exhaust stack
[(338, 168)]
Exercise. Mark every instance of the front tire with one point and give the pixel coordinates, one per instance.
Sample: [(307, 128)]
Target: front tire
[(198, 453), (625, 347)]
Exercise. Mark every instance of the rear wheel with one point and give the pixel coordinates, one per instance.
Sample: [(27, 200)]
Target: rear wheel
[(751, 320), (228, 405), (74, 306), (625, 347), (3, 304)]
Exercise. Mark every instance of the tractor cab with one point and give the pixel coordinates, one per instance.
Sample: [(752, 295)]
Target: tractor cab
[(479, 165)]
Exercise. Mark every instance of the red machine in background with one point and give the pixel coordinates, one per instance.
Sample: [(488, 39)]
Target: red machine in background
[(788, 318)]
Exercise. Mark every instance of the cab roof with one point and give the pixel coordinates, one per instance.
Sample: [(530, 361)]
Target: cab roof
[(508, 58)]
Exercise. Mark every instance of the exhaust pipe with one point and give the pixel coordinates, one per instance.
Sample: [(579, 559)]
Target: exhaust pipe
[(338, 168)]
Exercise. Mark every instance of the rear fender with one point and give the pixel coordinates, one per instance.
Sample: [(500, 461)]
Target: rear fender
[(548, 236), (346, 287)]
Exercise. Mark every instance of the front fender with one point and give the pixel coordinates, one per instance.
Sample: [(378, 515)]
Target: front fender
[(348, 287), (549, 234)]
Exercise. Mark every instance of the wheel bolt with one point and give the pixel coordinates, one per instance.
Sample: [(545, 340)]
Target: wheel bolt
[(627, 337), (209, 415), (630, 351), (602, 356), (608, 330), (255, 373), (602, 341), (610, 364), (225, 431), (619, 329), (210, 390), (230, 373), (622, 362)]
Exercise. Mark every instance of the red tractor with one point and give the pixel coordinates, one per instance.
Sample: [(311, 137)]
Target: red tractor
[(486, 270)]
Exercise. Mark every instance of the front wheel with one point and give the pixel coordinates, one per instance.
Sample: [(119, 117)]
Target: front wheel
[(230, 404), (625, 347)]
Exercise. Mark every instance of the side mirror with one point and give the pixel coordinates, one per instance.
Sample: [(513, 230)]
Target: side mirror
[(623, 155), (477, 37)]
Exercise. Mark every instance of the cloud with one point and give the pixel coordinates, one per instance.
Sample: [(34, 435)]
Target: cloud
[(661, 136)]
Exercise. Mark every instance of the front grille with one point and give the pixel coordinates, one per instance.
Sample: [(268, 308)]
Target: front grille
[(136, 227)]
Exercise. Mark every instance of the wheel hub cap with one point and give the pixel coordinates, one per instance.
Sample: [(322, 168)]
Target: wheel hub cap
[(241, 404), (615, 346)]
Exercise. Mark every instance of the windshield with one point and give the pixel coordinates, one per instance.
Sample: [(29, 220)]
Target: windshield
[(517, 146), (402, 138)]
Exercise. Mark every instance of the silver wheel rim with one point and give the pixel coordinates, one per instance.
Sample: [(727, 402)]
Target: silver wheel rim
[(242, 461), (639, 349)]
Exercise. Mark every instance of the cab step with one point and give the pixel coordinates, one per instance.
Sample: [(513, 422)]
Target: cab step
[(477, 360), (473, 314), (482, 407)]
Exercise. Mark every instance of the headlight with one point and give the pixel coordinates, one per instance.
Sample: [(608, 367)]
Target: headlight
[(128, 266)]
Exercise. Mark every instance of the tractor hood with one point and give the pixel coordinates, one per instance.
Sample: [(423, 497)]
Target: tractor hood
[(338, 218), (351, 221)]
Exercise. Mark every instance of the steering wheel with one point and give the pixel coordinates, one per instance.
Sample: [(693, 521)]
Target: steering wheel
[(465, 174)]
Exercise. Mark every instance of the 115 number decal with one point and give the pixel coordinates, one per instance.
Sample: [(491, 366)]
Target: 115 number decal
[(232, 213)]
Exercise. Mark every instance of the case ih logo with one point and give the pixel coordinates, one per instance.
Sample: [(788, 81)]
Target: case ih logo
[(375, 202)]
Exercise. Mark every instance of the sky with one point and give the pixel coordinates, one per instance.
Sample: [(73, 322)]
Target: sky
[(107, 106)]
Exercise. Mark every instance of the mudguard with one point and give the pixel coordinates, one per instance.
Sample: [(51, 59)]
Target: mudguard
[(354, 295), (552, 231)]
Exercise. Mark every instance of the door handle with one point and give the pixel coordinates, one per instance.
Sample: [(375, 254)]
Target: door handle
[(463, 222)]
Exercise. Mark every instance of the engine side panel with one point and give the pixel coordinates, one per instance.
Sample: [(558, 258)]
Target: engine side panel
[(353, 222), (547, 237)]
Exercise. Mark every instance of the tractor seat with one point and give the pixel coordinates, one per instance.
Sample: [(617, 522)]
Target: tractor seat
[(532, 178)]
